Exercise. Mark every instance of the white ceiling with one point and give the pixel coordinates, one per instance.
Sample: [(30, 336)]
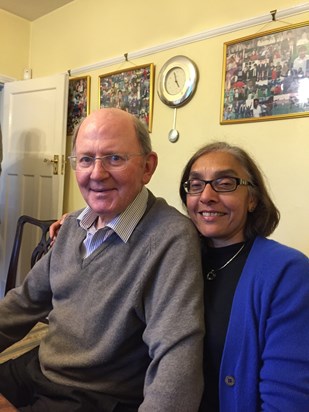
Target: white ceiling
[(31, 9)]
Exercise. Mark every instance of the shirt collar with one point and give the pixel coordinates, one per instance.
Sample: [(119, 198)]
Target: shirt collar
[(123, 224)]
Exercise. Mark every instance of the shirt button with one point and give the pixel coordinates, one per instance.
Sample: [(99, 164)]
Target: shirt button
[(229, 380)]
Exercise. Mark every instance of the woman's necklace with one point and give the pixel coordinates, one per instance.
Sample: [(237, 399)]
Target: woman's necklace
[(211, 275)]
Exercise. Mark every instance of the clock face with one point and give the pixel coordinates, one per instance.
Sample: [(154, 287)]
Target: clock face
[(177, 81)]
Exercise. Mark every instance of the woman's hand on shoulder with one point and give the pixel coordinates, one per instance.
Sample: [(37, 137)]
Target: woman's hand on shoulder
[(55, 227)]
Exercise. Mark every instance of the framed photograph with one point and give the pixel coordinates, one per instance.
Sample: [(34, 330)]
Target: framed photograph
[(78, 102), (266, 76), (131, 90)]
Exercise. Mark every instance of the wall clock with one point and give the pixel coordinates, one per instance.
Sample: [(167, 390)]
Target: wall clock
[(177, 81)]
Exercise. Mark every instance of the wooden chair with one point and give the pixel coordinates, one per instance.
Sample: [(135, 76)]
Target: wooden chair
[(34, 337), (41, 248)]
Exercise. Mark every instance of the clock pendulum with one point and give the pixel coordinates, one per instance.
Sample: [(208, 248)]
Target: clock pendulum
[(173, 134), (177, 84)]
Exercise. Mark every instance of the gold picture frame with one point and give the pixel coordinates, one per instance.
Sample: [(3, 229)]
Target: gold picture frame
[(78, 101), (131, 90), (266, 76)]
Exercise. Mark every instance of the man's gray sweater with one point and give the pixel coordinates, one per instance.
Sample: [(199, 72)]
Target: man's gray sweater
[(127, 320)]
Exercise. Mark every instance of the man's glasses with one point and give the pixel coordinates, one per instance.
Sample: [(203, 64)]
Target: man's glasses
[(112, 162), (220, 185)]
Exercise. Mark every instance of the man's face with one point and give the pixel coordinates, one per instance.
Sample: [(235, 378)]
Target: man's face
[(105, 132)]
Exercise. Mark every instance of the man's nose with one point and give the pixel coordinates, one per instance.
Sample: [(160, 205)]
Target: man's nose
[(98, 170)]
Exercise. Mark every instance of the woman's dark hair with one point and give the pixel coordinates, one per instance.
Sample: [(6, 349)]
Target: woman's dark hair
[(265, 217)]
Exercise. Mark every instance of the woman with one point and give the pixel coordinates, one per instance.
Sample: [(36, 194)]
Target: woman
[(256, 290)]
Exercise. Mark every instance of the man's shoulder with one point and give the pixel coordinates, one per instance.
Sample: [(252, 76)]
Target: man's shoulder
[(165, 220), (70, 222), (160, 207)]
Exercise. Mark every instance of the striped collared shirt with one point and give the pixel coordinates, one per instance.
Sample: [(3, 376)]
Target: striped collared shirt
[(123, 224)]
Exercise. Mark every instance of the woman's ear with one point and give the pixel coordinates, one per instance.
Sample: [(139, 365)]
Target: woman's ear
[(252, 204)]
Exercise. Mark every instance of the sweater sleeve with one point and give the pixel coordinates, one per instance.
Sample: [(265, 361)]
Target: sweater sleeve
[(173, 304), (25, 305)]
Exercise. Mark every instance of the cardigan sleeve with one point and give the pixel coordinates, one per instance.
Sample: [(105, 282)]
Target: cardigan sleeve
[(284, 375), (265, 363)]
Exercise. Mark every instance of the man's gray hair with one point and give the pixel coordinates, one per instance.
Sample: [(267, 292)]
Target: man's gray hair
[(142, 135)]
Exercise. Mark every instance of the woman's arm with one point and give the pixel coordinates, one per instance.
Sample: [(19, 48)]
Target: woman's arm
[(55, 227)]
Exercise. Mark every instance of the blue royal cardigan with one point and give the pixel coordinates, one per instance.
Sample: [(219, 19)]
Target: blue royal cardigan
[(265, 362)]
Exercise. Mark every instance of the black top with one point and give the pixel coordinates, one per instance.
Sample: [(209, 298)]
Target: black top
[(218, 294)]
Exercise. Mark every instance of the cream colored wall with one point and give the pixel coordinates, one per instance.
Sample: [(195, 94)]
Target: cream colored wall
[(14, 45), (88, 31)]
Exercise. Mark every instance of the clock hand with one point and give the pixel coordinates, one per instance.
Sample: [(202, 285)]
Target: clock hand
[(176, 81)]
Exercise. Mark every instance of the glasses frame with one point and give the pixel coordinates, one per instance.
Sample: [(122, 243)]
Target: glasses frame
[(238, 181), (107, 167)]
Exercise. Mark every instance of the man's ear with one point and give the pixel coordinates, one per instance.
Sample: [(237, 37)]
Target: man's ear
[(151, 162)]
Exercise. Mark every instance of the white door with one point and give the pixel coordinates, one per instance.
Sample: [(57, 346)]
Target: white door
[(34, 130)]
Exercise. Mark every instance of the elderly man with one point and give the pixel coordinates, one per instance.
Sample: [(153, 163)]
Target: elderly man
[(122, 287)]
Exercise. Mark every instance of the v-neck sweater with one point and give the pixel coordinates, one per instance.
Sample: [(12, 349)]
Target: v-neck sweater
[(127, 320)]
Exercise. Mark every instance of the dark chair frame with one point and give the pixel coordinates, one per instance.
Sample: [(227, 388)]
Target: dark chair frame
[(42, 247)]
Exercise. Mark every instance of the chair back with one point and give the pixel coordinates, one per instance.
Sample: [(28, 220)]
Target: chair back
[(42, 247)]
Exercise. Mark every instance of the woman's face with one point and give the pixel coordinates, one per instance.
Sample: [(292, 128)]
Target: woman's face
[(221, 217)]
